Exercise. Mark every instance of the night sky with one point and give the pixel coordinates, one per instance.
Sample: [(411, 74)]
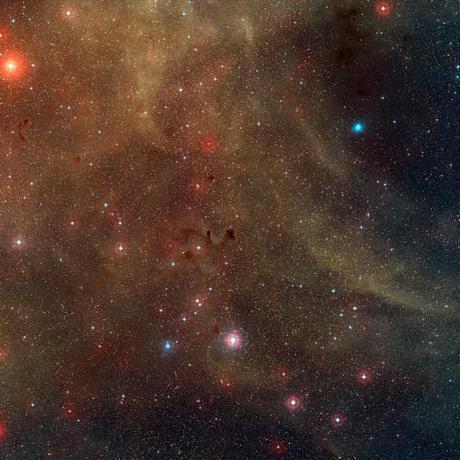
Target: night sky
[(229, 229)]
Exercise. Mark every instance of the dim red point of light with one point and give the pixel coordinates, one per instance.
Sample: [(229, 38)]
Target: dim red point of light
[(282, 374), (209, 144), (338, 420), (12, 66), (278, 447), (69, 411), (364, 376), (383, 8), (3, 431)]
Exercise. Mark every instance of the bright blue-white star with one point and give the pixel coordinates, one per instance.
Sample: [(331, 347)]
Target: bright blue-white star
[(167, 346), (358, 127)]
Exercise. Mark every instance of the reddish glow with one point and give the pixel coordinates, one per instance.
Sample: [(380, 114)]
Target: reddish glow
[(3, 431), (233, 340), (202, 184), (278, 447), (364, 376), (225, 383), (69, 13), (197, 301), (3, 35), (12, 66), (69, 411), (282, 374), (383, 8), (209, 144), (338, 420), (4, 353), (293, 403), (72, 224)]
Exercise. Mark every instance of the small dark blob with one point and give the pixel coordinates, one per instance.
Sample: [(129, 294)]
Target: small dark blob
[(345, 55), (188, 255), (230, 234), (22, 125), (408, 38), (346, 15)]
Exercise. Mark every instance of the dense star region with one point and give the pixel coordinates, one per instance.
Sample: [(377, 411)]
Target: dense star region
[(229, 229)]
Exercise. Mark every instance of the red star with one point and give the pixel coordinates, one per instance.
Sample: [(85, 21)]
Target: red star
[(209, 144), (364, 376), (383, 8), (12, 66)]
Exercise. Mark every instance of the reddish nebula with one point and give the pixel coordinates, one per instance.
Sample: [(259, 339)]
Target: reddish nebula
[(225, 383), (3, 354), (209, 144), (338, 420), (383, 8), (3, 431), (12, 66), (3, 36)]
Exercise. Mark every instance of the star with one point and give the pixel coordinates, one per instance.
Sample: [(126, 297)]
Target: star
[(293, 403), (358, 127), (383, 8), (12, 66), (338, 420), (233, 340), (364, 376)]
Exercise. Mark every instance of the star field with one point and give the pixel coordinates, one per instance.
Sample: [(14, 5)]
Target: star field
[(229, 229)]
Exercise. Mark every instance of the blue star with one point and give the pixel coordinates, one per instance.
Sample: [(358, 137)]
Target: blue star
[(167, 345), (358, 127)]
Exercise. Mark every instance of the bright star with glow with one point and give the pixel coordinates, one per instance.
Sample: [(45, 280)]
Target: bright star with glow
[(167, 346), (293, 403), (358, 127), (233, 340), (338, 420), (12, 66)]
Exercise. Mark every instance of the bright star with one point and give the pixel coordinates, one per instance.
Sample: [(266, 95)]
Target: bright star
[(233, 340), (358, 127)]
